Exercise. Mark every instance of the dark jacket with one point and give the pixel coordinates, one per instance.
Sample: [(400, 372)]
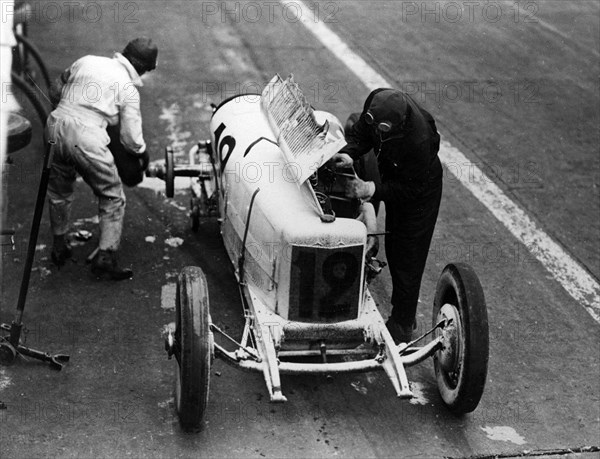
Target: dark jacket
[(408, 161)]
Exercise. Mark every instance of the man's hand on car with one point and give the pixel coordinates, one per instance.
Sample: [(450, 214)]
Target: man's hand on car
[(357, 188), (341, 160)]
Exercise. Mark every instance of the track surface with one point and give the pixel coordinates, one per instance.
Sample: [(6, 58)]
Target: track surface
[(514, 88)]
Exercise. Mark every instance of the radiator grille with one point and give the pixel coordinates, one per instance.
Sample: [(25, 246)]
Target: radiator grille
[(325, 283), (303, 141)]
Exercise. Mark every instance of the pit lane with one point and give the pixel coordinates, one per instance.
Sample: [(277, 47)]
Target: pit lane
[(527, 112)]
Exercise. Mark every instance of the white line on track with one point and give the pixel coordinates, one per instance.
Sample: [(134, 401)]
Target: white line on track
[(5, 380), (570, 274), (167, 296)]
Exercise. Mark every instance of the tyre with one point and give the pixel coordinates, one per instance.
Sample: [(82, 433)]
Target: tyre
[(461, 366), (19, 132), (33, 96), (30, 65), (194, 348), (170, 172)]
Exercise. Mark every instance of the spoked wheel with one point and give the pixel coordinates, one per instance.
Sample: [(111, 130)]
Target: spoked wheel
[(194, 348), (170, 172), (461, 366)]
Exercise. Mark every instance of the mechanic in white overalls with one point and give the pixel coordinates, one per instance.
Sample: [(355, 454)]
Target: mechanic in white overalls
[(97, 91)]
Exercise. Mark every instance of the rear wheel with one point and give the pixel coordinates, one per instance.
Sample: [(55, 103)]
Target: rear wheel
[(194, 348), (461, 366)]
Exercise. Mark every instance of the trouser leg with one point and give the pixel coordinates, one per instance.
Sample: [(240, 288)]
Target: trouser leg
[(60, 196), (407, 247), (102, 176), (91, 158), (112, 213), (61, 180)]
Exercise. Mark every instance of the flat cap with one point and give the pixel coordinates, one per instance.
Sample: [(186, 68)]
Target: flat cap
[(143, 52)]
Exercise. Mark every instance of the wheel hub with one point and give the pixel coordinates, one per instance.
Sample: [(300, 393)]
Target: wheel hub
[(451, 337)]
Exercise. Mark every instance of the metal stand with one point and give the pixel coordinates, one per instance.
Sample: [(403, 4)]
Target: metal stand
[(10, 346)]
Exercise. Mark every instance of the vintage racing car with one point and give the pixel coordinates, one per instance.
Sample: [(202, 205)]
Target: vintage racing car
[(303, 261)]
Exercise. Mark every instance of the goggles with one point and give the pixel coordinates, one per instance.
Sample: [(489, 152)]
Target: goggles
[(384, 126)]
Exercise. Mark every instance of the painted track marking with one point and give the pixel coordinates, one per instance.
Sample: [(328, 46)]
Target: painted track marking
[(574, 278)]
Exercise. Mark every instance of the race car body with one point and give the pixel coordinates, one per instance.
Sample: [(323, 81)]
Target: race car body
[(301, 267)]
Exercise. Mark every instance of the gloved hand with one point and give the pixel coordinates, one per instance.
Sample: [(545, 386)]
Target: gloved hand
[(341, 160), (356, 188)]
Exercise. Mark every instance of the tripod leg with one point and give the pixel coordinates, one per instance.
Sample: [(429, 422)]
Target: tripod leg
[(33, 236)]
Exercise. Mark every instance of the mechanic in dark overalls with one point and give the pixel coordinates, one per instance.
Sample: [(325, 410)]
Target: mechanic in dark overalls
[(405, 140)]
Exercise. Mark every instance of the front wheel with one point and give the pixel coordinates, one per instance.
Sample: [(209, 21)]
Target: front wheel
[(194, 348), (461, 366)]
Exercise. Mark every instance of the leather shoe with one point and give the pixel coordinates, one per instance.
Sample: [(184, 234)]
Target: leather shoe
[(61, 251), (105, 266)]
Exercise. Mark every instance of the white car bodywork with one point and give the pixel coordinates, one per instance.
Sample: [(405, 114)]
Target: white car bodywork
[(283, 218)]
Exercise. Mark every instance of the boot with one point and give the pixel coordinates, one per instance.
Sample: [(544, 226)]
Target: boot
[(61, 251), (400, 333), (105, 266)]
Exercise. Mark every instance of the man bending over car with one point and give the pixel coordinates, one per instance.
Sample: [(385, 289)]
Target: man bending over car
[(405, 140)]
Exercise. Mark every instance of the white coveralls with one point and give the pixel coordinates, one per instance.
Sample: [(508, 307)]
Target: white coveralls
[(98, 91)]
